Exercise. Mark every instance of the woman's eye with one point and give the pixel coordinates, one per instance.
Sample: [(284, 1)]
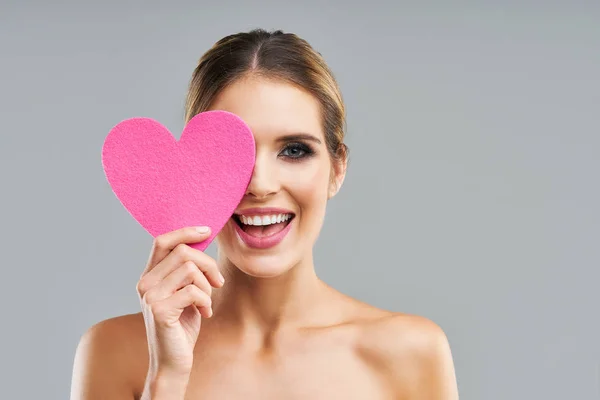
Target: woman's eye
[(296, 150)]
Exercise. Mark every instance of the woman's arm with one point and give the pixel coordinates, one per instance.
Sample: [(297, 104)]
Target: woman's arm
[(103, 368), (436, 377)]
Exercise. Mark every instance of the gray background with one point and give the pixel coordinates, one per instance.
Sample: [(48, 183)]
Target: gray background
[(472, 194)]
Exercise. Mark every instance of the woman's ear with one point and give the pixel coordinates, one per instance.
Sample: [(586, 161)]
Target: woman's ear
[(338, 174)]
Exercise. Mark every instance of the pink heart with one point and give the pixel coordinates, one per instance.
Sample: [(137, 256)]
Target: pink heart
[(167, 184)]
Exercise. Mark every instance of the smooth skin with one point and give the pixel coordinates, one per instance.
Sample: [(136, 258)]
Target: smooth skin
[(260, 324)]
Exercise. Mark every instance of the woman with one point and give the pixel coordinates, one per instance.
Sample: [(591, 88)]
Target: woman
[(257, 323)]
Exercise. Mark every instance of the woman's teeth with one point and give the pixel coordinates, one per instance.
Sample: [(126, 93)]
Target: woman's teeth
[(265, 219)]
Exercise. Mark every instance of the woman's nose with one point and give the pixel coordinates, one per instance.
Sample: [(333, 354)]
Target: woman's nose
[(263, 182)]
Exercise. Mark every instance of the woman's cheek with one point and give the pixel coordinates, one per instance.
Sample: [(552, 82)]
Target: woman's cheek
[(309, 179)]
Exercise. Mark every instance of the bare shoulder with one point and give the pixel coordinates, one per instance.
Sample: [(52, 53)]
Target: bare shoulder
[(111, 359), (411, 352), (399, 334)]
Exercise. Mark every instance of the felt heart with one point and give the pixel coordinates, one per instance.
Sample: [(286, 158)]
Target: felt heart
[(167, 184)]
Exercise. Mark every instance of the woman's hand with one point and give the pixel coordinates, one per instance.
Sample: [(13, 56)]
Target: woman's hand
[(175, 293)]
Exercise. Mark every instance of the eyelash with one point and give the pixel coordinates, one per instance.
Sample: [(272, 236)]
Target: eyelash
[(306, 151)]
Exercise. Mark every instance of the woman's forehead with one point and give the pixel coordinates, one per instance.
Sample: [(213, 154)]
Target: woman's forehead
[(272, 107)]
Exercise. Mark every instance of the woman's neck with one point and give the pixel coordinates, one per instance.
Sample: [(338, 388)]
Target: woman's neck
[(265, 307)]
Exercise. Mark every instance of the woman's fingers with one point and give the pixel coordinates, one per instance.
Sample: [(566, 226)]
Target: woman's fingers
[(181, 255), (165, 243), (187, 274), (168, 310)]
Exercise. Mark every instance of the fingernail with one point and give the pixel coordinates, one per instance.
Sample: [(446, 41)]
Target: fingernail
[(221, 278), (202, 229)]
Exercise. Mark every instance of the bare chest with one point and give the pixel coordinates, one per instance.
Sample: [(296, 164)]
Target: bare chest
[(329, 375)]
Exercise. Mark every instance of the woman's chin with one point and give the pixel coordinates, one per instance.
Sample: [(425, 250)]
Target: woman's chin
[(259, 257), (264, 266)]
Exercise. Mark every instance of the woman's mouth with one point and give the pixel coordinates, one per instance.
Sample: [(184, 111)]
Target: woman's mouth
[(263, 230), (263, 225)]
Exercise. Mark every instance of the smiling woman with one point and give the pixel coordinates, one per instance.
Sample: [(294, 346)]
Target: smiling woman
[(258, 323)]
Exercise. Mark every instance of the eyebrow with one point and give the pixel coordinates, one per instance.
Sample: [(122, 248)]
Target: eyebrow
[(299, 136)]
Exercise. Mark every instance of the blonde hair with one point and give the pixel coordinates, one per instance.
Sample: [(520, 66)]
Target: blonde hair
[(273, 55)]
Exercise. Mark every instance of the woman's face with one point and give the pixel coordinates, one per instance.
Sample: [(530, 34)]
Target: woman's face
[(279, 218)]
